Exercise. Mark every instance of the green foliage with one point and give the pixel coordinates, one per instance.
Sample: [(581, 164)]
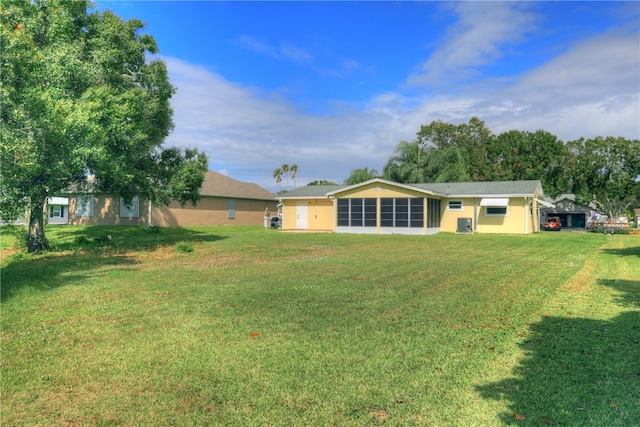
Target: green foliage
[(469, 140), (407, 165), (361, 175), (183, 247), (604, 171), (80, 97), (522, 155)]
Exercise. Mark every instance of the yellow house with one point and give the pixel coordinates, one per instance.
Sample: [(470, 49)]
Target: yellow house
[(384, 207)]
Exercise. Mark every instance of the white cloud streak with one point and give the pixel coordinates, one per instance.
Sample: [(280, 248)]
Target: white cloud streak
[(282, 51), (591, 89), (477, 39)]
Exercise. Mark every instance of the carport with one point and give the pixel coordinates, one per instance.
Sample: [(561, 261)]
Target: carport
[(572, 215)]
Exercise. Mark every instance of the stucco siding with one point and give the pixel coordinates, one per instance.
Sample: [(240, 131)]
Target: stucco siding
[(212, 211), (511, 223), (320, 214), (377, 190), (106, 211), (209, 211), (449, 221)]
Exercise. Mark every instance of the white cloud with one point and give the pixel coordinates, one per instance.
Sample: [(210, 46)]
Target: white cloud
[(477, 39), (282, 51), (591, 89), (250, 133)]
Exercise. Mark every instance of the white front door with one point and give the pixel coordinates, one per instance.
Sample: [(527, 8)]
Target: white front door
[(302, 215)]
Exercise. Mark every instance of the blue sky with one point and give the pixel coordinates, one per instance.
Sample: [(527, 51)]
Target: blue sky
[(334, 86)]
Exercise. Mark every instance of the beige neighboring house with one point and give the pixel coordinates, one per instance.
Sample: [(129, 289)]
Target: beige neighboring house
[(224, 201)]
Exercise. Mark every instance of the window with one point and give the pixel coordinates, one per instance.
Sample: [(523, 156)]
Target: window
[(416, 219), (57, 211), (401, 212), (370, 214), (496, 210), (454, 205), (231, 209), (131, 210), (357, 212), (386, 212), (84, 206), (343, 212), (433, 213)]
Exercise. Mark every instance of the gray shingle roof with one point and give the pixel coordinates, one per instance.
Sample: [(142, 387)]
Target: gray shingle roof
[(450, 189), (484, 188), (311, 191)]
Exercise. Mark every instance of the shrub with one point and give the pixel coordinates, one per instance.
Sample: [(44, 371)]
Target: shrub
[(183, 247), (610, 230)]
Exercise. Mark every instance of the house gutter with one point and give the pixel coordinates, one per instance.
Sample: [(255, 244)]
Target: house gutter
[(527, 214)]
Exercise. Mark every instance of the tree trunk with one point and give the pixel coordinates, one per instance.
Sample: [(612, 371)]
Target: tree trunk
[(36, 240)]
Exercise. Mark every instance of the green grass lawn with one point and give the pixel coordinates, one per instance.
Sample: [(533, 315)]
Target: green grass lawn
[(241, 326)]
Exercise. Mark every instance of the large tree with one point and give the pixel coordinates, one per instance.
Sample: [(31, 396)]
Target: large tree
[(467, 139), (605, 171), (523, 155), (81, 97)]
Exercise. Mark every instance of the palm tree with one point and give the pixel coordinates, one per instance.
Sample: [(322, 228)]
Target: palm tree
[(277, 174), (293, 169), (407, 165), (361, 175), (285, 172), (447, 164)]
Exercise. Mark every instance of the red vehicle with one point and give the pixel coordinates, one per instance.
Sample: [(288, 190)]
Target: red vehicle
[(552, 224)]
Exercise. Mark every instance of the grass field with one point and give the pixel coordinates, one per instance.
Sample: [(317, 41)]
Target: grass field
[(241, 326)]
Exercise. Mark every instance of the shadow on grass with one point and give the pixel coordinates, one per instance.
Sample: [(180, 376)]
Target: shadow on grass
[(123, 238), (576, 371), (79, 252), (632, 251)]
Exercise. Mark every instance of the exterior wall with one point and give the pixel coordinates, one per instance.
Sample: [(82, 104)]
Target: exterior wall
[(517, 220), (523, 216), (212, 211), (209, 211), (320, 214), (378, 190), (536, 215), (449, 222), (106, 211)]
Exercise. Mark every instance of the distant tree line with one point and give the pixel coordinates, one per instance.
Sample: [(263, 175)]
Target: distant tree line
[(602, 170)]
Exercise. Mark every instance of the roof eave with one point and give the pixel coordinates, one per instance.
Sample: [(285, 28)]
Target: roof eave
[(384, 182)]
